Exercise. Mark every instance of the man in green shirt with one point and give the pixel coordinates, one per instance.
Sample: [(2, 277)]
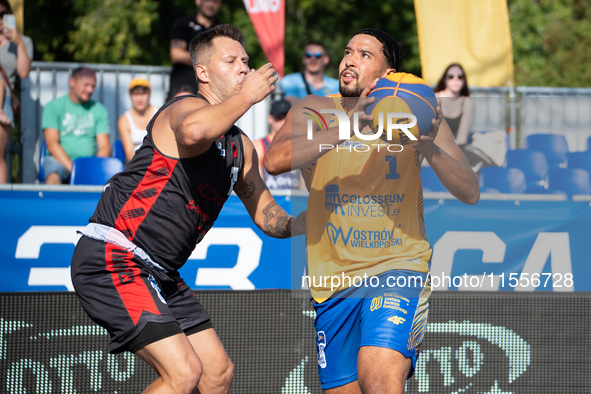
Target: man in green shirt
[(74, 126)]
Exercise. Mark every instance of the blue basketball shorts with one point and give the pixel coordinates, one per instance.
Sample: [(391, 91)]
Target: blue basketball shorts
[(391, 315)]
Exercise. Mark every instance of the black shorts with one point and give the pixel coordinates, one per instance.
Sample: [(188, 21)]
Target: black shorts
[(122, 295)]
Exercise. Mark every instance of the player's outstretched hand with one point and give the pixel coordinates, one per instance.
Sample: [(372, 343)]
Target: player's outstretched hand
[(359, 109), (298, 225), (435, 123), (259, 83)]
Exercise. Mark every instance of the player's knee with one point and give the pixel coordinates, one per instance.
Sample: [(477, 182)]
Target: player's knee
[(53, 179), (187, 376), (372, 387), (221, 377), (227, 375), (374, 384)]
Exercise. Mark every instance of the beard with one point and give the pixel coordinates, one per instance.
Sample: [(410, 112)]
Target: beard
[(351, 91), (354, 89)]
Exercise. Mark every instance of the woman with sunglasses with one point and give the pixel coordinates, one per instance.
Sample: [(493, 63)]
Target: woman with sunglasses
[(457, 107), (16, 52)]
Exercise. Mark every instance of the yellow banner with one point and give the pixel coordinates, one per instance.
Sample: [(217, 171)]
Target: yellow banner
[(18, 7), (474, 33)]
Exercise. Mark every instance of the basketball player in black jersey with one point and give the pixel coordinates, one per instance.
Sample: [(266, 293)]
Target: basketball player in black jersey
[(151, 216)]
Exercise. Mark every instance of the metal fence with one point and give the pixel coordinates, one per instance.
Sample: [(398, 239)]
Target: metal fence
[(565, 111), (490, 107), (528, 110), (521, 111), (50, 80)]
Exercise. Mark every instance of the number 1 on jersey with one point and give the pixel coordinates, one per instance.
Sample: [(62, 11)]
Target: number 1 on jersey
[(393, 171)]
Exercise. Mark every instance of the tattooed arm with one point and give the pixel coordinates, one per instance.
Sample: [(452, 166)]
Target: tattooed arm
[(276, 223), (260, 204)]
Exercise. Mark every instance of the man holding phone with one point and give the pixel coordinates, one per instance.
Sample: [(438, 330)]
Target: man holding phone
[(16, 54)]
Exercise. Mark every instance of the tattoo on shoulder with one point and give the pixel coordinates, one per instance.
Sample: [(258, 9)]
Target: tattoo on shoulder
[(176, 43), (243, 189), (276, 221)]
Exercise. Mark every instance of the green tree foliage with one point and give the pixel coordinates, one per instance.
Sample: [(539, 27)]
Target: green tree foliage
[(551, 41), (550, 37), (112, 31), (138, 31), (48, 23), (333, 22)]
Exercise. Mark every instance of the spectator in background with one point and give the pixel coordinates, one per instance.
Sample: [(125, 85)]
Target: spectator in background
[(183, 31), (312, 80), (457, 107), (74, 126), (4, 119), (184, 90), (16, 54), (132, 124), (276, 118)]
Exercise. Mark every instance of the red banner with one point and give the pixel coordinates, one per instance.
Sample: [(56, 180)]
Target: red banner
[(268, 19)]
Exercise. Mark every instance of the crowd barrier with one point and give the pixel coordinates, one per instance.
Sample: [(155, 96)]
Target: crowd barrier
[(522, 343), (505, 242), (564, 111)]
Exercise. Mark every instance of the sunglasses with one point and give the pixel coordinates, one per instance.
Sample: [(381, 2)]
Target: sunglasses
[(451, 76), (316, 55)]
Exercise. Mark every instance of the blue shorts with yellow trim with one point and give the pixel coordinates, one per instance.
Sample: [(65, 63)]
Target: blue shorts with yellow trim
[(391, 314)]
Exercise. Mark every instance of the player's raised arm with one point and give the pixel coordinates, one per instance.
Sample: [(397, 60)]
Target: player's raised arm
[(449, 163), (191, 118), (260, 204), (292, 148)]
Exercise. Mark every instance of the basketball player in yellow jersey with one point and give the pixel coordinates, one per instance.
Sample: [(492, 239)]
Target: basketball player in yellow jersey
[(365, 220)]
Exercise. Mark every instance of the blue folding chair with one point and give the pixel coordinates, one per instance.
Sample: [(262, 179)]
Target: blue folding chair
[(94, 170), (42, 153), (502, 179), (553, 146), (569, 180), (118, 151), (580, 160), (531, 162), (539, 189), (430, 181)]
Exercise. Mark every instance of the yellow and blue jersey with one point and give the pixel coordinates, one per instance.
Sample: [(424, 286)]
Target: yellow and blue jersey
[(365, 213)]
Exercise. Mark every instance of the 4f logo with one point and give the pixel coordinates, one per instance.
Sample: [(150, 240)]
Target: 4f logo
[(397, 320), (345, 125)]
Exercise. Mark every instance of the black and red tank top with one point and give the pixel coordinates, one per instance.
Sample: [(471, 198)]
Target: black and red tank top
[(166, 205)]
